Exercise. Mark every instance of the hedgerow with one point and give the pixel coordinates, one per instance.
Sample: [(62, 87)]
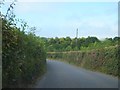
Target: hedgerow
[(23, 56), (104, 60)]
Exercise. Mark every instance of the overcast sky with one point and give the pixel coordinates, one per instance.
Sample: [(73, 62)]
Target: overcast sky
[(61, 19)]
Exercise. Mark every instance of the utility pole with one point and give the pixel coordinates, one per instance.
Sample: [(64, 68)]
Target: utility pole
[(76, 37)]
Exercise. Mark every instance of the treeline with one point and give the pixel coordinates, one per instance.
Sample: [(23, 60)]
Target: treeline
[(23, 55), (77, 44), (90, 53)]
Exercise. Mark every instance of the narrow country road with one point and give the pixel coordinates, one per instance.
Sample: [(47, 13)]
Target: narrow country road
[(62, 75)]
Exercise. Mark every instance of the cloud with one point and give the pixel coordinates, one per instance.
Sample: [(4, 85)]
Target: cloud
[(65, 0), (57, 20), (23, 7)]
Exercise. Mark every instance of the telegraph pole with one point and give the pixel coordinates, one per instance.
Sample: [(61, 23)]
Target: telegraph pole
[(76, 37)]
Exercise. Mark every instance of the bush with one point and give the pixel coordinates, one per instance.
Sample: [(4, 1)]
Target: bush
[(23, 56)]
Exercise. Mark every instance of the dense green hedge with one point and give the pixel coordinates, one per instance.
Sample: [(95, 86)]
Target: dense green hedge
[(23, 56), (103, 60)]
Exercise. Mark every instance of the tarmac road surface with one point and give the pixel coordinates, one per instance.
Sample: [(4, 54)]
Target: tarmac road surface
[(63, 75)]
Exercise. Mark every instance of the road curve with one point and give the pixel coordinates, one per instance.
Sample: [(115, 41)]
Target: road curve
[(62, 75)]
